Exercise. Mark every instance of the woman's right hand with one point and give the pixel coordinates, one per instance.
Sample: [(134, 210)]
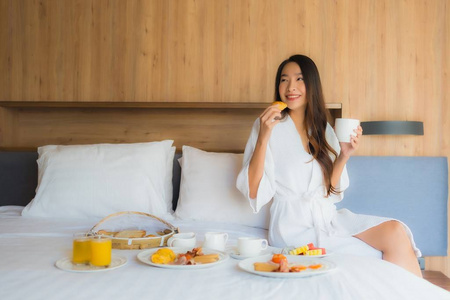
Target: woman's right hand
[(267, 120)]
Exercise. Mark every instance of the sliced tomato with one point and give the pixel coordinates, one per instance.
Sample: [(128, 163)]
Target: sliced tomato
[(297, 268), (277, 258), (318, 266)]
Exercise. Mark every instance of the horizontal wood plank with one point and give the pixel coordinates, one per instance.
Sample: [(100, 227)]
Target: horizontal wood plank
[(174, 105), (218, 127)]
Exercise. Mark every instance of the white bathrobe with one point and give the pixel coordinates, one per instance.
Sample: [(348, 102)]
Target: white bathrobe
[(300, 213)]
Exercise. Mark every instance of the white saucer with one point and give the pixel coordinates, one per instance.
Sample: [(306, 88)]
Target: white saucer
[(66, 264), (234, 253)]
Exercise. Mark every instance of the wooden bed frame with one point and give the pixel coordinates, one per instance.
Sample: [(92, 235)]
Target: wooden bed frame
[(219, 127)]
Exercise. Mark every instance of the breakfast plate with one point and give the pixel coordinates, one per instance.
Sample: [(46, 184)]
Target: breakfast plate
[(66, 264), (327, 266), (145, 256)]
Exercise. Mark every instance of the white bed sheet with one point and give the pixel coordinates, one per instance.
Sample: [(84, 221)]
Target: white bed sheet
[(29, 249)]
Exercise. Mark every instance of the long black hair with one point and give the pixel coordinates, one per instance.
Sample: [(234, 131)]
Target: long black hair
[(316, 115)]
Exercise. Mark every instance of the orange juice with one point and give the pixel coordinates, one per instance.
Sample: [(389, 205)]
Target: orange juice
[(101, 251), (81, 250)]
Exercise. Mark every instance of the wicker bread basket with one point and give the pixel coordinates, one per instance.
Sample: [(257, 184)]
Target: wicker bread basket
[(159, 230)]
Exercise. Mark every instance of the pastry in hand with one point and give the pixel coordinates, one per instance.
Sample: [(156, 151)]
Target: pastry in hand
[(281, 105)]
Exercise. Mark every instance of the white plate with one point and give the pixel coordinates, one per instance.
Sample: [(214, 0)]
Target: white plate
[(327, 266), (234, 253), (66, 264), (145, 255)]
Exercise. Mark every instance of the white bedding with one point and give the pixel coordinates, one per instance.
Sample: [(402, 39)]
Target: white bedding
[(29, 249)]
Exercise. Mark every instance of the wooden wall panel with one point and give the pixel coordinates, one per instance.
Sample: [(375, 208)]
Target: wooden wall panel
[(208, 129), (382, 59), (211, 127)]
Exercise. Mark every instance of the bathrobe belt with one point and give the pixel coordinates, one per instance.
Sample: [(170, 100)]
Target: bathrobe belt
[(322, 212)]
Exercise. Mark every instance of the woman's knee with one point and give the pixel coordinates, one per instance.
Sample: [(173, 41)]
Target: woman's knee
[(387, 237), (395, 232), (395, 227)]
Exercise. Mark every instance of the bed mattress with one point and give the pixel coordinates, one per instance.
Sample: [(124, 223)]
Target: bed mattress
[(30, 247)]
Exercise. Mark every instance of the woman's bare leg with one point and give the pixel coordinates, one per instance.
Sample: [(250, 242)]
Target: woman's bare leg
[(390, 238)]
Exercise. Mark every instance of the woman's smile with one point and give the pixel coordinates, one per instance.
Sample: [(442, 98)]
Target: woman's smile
[(292, 97)]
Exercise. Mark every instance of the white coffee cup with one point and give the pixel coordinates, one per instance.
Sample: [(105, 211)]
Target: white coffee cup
[(344, 128), (251, 246), (185, 240), (216, 240)]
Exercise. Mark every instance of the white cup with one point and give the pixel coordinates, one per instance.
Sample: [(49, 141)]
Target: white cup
[(216, 240), (185, 240), (344, 128), (251, 246)]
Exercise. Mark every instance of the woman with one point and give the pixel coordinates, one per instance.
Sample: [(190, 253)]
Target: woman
[(294, 158)]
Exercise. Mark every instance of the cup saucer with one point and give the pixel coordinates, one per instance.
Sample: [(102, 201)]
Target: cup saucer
[(234, 253)]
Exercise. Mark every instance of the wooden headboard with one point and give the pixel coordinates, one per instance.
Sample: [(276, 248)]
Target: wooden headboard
[(211, 126)]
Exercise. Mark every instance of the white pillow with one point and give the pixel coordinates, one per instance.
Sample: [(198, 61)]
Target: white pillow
[(208, 190), (93, 181)]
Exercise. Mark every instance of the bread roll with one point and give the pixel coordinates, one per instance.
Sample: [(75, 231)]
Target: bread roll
[(104, 232)]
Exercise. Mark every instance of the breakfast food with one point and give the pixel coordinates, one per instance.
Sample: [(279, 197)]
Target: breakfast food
[(317, 251), (277, 258), (281, 105), (206, 258), (308, 249), (279, 263), (163, 256), (104, 232), (299, 250), (266, 267), (193, 257)]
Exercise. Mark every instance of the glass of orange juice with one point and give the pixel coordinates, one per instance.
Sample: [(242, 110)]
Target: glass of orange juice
[(101, 251), (81, 248)]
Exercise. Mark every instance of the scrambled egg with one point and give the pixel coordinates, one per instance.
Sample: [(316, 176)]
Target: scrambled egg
[(163, 256)]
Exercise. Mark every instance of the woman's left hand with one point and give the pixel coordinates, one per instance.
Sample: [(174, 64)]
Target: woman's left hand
[(348, 149)]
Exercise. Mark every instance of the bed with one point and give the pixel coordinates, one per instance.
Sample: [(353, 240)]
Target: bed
[(198, 199)]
